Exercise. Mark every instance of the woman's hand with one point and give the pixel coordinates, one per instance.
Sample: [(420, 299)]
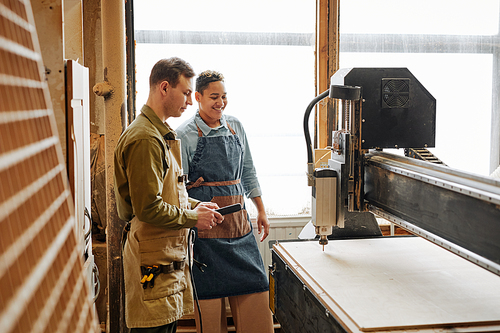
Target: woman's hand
[(262, 221), (262, 225)]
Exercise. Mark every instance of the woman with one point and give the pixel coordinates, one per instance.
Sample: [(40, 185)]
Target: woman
[(216, 157)]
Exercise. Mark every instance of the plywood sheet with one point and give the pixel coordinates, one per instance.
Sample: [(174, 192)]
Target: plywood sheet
[(396, 283)]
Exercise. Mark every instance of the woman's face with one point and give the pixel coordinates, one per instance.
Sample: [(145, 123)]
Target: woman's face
[(212, 102)]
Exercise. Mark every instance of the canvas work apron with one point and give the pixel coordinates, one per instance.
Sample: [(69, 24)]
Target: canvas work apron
[(234, 265), (148, 245)]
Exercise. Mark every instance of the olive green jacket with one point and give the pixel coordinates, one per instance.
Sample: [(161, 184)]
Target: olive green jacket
[(151, 193)]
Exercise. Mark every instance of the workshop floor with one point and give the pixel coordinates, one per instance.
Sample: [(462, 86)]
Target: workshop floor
[(187, 324)]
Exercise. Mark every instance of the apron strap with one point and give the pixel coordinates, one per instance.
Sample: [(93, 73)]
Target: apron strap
[(197, 183), (230, 128), (200, 133), (200, 182)]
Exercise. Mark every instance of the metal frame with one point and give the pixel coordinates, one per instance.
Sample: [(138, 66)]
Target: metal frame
[(454, 209)]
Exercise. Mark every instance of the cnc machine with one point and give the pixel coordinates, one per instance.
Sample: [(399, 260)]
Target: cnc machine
[(445, 278)]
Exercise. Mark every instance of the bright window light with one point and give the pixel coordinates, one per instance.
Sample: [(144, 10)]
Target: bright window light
[(265, 49)]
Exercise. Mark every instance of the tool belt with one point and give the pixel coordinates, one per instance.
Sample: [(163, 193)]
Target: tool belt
[(149, 273)]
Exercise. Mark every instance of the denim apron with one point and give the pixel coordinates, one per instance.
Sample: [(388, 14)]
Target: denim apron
[(234, 265)]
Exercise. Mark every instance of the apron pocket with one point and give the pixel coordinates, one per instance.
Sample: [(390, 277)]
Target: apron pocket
[(235, 225)]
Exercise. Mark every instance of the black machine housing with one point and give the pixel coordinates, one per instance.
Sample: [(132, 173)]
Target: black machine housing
[(397, 111)]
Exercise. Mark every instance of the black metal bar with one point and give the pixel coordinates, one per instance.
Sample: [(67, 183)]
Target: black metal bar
[(452, 208), (130, 48)]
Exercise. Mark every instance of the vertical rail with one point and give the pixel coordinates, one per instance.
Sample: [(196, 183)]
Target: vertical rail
[(495, 111), (130, 45)]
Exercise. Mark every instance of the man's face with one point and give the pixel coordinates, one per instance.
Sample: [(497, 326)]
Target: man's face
[(212, 102), (178, 98)]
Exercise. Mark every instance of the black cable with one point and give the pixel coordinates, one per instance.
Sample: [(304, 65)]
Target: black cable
[(306, 123), (192, 235), (88, 234), (95, 271), (125, 231), (87, 214)]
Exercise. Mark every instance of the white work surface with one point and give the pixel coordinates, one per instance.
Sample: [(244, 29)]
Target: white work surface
[(396, 283)]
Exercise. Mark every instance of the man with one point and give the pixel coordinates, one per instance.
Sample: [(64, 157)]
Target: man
[(150, 193)]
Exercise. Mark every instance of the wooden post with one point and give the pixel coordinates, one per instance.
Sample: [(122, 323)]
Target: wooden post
[(115, 104), (327, 63), (73, 31)]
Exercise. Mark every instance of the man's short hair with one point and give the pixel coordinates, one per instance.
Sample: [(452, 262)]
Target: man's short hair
[(170, 70), (207, 77)]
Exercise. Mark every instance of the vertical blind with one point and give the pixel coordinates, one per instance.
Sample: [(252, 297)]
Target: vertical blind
[(42, 284)]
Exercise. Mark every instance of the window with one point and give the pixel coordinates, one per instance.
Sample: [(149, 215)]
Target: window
[(450, 47), (265, 49)]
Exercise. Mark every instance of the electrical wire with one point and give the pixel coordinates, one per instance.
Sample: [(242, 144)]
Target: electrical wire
[(192, 236), (97, 282), (306, 123)]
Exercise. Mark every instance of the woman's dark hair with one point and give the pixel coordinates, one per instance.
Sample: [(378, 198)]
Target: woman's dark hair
[(207, 77), (170, 70)]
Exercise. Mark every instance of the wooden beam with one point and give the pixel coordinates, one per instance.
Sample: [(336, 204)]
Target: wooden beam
[(115, 104), (73, 30), (92, 39), (49, 24), (327, 63)]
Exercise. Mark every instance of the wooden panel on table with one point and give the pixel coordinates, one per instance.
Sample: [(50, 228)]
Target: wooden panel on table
[(396, 283)]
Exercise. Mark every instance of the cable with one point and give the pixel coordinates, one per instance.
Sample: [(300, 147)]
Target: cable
[(192, 236), (87, 237), (306, 123), (97, 282), (87, 214)]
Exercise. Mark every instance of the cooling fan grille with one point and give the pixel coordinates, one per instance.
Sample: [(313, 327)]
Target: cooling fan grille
[(395, 93)]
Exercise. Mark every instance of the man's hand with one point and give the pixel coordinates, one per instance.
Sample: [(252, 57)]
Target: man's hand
[(207, 216)]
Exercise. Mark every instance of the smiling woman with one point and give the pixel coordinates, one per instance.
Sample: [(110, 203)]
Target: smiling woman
[(211, 96), (259, 46)]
